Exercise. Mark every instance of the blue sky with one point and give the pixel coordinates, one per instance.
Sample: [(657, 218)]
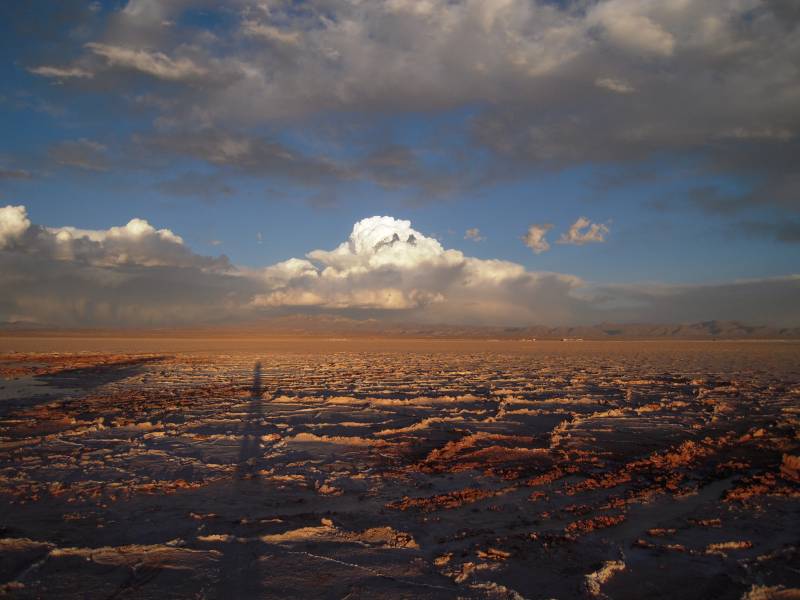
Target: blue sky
[(226, 123)]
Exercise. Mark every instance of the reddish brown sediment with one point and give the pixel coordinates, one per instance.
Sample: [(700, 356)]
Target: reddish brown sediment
[(790, 468), (587, 525), (450, 500)]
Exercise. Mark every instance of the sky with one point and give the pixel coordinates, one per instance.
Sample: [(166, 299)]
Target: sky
[(486, 162)]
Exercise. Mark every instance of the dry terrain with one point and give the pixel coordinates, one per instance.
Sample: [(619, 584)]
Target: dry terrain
[(375, 468)]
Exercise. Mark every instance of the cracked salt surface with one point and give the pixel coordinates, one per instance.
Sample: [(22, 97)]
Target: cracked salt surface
[(556, 471)]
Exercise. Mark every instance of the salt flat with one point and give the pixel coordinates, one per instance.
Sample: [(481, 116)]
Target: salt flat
[(391, 468)]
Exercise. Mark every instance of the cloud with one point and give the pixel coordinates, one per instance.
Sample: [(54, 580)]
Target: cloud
[(776, 189), (614, 85), (534, 239), (271, 33), (473, 234), (782, 231), (14, 223), (135, 243), (137, 274), (545, 84), (583, 231), (752, 301), (393, 166), (379, 242), (134, 274), (83, 154), (156, 64), (61, 72), (14, 174), (247, 153), (387, 265), (77, 294), (631, 31)]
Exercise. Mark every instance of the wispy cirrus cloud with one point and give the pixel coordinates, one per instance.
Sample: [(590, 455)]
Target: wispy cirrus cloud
[(156, 64), (61, 72), (85, 154)]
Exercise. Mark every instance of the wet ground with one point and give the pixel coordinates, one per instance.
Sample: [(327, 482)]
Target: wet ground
[(539, 470)]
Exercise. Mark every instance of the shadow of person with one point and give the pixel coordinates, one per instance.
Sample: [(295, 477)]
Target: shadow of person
[(241, 573), (250, 446)]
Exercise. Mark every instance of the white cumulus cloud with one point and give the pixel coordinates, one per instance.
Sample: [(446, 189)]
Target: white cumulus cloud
[(387, 265), (157, 64), (618, 86), (473, 234), (135, 243), (535, 238), (583, 231), (14, 223), (61, 72), (626, 26), (137, 274)]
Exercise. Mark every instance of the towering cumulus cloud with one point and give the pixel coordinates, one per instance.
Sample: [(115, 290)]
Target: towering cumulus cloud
[(385, 264), (137, 274), (14, 223), (128, 275)]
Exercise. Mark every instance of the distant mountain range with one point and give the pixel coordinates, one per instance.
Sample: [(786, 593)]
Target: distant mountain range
[(610, 331), (703, 330), (314, 324), (328, 324)]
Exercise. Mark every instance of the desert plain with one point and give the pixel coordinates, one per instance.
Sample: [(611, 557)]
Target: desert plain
[(369, 467)]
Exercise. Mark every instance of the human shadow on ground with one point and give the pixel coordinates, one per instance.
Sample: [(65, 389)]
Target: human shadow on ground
[(240, 573), (250, 446)]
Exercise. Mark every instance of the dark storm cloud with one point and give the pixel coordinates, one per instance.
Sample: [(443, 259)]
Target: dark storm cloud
[(775, 300), (77, 294), (133, 274), (552, 84)]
